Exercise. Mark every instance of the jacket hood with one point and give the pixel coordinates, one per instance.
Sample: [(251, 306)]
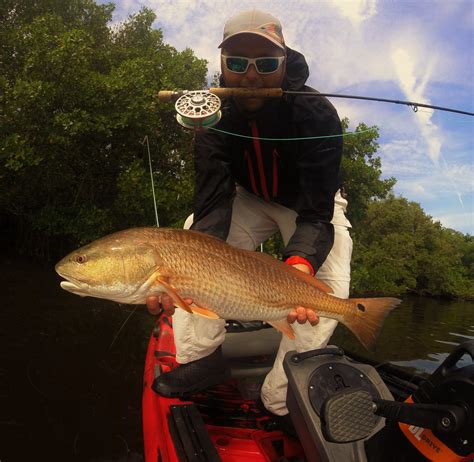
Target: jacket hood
[(297, 71)]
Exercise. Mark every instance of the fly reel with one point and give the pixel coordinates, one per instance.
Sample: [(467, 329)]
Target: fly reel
[(198, 109)]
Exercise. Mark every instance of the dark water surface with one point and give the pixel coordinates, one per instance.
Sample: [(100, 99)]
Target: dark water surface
[(69, 392)]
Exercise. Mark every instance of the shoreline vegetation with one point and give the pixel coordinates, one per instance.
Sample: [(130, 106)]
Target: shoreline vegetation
[(76, 103)]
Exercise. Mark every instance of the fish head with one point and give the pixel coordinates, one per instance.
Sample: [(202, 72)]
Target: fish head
[(115, 267)]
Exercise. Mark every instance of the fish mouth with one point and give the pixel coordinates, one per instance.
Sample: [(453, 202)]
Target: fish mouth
[(71, 284), (83, 289), (73, 287), (68, 279)]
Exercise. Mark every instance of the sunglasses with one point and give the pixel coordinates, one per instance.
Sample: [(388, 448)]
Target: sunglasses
[(264, 65)]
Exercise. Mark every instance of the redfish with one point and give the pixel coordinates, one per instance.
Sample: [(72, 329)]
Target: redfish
[(223, 281)]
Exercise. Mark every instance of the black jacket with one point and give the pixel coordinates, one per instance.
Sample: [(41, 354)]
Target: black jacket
[(301, 175)]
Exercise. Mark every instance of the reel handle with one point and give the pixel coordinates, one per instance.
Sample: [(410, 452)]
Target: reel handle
[(247, 92)]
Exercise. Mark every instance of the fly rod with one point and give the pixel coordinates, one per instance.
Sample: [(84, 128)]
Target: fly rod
[(201, 108)]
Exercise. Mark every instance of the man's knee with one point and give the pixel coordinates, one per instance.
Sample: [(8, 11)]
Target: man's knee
[(340, 287), (240, 237)]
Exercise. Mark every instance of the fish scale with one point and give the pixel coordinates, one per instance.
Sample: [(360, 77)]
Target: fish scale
[(270, 296)]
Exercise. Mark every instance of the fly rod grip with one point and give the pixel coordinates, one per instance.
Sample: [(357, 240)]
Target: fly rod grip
[(247, 92), (165, 96)]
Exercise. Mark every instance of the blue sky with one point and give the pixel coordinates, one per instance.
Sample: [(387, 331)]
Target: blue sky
[(417, 50)]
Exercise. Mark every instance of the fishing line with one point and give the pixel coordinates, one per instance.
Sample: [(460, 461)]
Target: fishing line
[(121, 327), (28, 376), (151, 177), (359, 132)]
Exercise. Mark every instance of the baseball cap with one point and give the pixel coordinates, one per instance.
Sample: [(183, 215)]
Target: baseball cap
[(254, 22)]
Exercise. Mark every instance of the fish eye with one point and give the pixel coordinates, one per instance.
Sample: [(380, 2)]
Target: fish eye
[(80, 259)]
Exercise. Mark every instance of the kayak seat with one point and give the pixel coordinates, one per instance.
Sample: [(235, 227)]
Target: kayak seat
[(250, 351)]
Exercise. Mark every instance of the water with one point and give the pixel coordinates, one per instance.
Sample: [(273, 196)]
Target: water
[(419, 334), (66, 394)]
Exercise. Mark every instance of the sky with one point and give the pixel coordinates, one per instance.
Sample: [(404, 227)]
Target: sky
[(415, 50)]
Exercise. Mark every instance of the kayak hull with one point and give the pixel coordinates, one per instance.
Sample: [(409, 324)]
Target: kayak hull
[(232, 443)]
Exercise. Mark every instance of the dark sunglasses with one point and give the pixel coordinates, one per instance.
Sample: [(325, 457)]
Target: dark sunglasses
[(264, 65)]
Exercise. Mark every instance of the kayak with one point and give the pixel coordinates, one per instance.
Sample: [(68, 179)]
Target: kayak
[(228, 422), (218, 424)]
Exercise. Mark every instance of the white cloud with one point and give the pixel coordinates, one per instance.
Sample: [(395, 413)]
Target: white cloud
[(445, 191), (357, 11), (413, 84), (406, 160), (463, 222)]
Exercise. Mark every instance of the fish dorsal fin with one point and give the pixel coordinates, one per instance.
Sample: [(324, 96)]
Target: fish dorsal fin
[(309, 279), (267, 259)]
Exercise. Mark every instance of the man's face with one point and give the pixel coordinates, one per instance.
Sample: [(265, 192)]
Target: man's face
[(252, 46)]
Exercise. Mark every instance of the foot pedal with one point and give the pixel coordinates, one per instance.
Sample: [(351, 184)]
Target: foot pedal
[(189, 435), (348, 416)]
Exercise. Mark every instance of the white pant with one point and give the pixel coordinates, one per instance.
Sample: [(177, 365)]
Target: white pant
[(253, 221)]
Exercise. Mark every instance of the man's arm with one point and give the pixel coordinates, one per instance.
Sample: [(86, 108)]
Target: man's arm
[(318, 171), (214, 185)]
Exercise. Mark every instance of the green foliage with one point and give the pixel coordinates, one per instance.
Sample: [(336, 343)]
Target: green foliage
[(274, 246), (215, 81), (398, 248), (467, 258), (362, 170), (76, 102)]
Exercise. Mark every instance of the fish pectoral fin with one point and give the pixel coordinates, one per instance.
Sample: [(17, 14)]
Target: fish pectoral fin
[(196, 309), (172, 292), (283, 326)]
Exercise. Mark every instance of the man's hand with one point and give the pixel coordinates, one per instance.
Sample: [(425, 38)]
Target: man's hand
[(302, 314), (156, 303)]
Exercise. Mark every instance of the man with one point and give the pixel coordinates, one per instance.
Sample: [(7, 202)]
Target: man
[(247, 188)]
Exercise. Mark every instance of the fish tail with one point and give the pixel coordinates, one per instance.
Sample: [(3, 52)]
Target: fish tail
[(369, 317)]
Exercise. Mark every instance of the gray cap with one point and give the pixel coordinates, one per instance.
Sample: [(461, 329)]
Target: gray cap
[(254, 22)]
